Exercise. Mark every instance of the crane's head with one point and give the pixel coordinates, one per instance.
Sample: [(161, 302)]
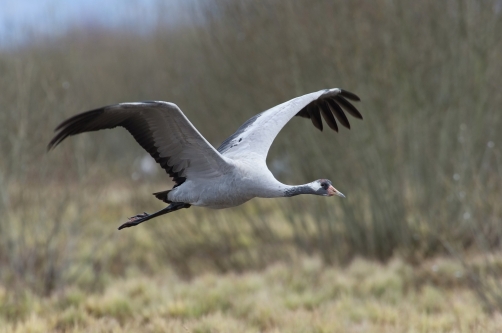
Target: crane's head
[(325, 188)]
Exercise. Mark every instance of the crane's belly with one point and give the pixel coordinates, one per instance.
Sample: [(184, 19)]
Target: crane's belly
[(225, 200), (216, 195)]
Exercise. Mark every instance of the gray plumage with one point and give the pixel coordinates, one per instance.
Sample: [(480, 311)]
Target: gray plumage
[(204, 176)]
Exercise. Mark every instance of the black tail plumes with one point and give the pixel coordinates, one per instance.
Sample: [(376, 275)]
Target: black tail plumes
[(162, 196)]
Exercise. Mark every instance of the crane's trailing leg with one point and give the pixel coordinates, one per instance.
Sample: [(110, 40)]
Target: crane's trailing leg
[(140, 218)]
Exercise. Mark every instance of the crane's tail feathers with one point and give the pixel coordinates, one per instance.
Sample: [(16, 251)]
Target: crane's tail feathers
[(162, 196)]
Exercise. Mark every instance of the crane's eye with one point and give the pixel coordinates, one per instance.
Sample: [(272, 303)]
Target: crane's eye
[(324, 185)]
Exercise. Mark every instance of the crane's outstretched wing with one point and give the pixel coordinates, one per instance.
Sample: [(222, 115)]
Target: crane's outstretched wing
[(254, 138), (161, 129)]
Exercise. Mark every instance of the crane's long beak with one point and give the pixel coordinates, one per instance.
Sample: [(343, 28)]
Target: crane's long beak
[(333, 191)]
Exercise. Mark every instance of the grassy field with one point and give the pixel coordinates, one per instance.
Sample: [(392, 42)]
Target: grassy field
[(209, 271), (304, 297)]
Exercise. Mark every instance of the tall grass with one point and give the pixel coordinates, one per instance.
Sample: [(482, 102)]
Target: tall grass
[(422, 170)]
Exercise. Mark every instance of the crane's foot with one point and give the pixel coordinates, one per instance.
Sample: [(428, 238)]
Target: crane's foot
[(135, 220)]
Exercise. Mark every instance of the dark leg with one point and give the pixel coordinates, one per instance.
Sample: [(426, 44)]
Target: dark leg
[(140, 218)]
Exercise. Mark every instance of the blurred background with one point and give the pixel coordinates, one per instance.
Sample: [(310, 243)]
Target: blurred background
[(422, 172)]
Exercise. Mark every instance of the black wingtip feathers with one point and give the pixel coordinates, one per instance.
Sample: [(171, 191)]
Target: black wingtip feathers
[(349, 95)]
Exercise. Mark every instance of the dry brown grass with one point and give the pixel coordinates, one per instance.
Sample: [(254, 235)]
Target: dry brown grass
[(305, 297), (149, 281)]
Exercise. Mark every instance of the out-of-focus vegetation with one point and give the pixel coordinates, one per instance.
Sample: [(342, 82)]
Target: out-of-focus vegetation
[(307, 297), (422, 172)]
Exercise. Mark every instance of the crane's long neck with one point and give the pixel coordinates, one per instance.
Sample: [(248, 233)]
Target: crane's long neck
[(278, 190), (291, 191)]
